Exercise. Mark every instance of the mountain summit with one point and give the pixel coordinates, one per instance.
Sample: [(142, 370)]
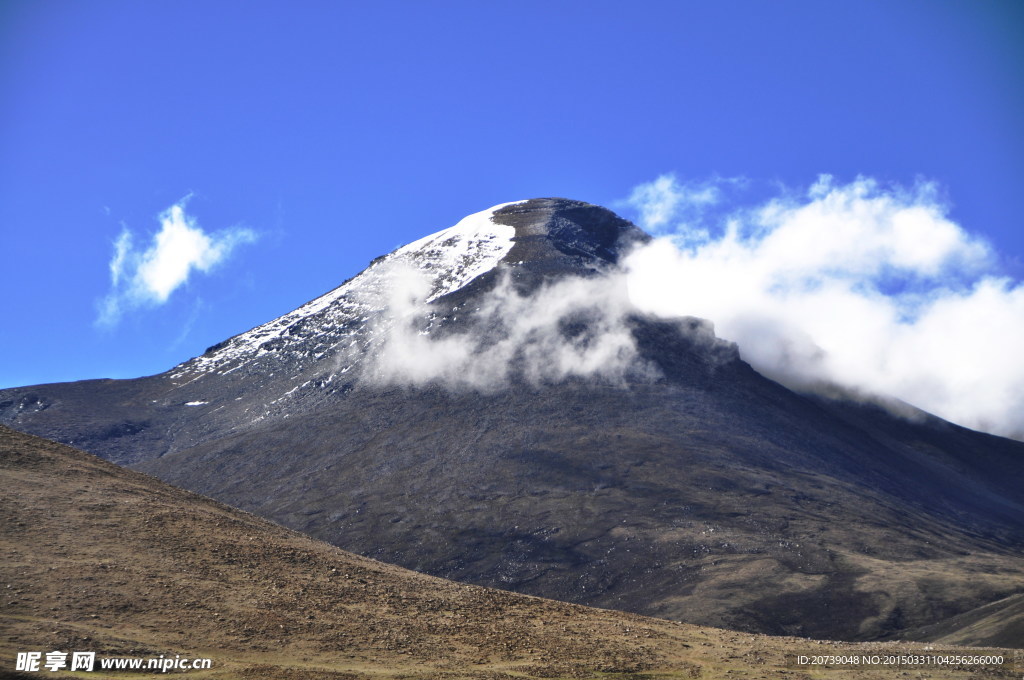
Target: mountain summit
[(559, 235), (535, 240), (485, 404)]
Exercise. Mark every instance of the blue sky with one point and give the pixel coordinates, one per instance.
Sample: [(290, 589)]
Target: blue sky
[(306, 138)]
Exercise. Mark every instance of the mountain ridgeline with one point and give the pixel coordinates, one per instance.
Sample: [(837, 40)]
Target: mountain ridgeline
[(484, 405)]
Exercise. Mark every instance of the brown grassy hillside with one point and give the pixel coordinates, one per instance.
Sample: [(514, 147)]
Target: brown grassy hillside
[(99, 558)]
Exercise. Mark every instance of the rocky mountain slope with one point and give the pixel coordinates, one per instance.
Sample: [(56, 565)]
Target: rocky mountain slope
[(99, 558), (485, 405)]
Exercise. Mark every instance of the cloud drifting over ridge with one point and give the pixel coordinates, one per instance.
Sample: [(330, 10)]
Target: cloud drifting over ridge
[(867, 287), (147, 278), (509, 335)]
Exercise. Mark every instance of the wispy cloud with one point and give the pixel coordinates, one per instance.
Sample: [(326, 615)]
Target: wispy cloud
[(147, 278), (663, 203), (510, 336), (858, 285)]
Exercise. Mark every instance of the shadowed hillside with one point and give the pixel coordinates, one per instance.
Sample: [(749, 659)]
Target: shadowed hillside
[(98, 558)]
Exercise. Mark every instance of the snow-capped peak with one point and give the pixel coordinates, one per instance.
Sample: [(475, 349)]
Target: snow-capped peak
[(455, 256), (448, 259)]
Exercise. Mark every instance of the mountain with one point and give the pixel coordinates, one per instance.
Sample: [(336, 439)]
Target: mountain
[(103, 559), (485, 405), (312, 356)]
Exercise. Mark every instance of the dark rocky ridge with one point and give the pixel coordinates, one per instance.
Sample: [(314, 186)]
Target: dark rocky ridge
[(554, 237), (706, 493), (559, 235)]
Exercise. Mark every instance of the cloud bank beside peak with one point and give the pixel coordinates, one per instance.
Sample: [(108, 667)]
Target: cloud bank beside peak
[(872, 288), (146, 277)]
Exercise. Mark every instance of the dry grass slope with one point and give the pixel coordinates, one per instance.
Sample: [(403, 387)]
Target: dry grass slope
[(99, 558)]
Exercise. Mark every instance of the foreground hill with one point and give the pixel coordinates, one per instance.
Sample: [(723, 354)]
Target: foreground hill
[(99, 558), (485, 405), (999, 623)]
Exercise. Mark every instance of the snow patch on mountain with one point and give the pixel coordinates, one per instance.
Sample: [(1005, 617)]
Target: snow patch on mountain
[(448, 259), (457, 255)]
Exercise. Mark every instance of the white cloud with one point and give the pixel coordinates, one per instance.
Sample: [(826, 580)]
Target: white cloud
[(122, 246), (510, 335), (855, 285), (149, 277), (869, 288), (665, 202)]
